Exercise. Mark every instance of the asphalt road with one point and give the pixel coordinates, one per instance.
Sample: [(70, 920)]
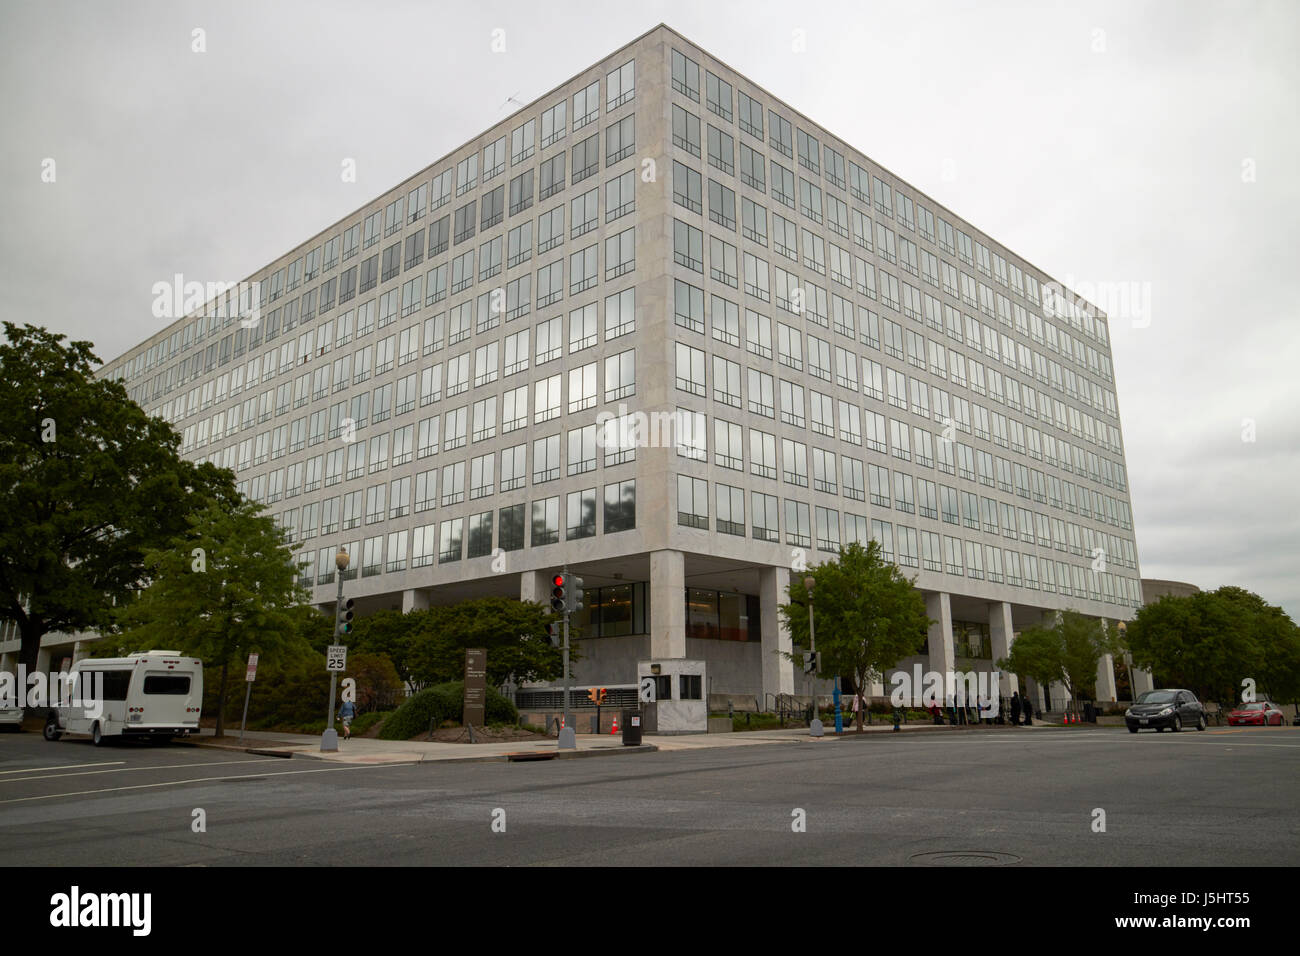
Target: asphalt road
[(1220, 798)]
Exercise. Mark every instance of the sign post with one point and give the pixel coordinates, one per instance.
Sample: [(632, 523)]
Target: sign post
[(248, 691), (337, 656), (336, 659), (475, 686)]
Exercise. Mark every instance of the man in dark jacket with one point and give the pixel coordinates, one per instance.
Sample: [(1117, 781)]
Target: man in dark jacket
[(1015, 708)]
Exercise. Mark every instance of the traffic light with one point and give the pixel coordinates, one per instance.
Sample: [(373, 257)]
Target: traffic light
[(343, 618), (557, 594), (553, 632), (593, 695), (810, 662), (575, 594)]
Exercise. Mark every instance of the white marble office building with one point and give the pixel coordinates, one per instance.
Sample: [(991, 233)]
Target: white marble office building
[(431, 381)]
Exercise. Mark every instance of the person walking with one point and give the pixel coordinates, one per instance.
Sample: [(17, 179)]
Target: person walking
[(1015, 708), (346, 713), (898, 718), (1028, 707)]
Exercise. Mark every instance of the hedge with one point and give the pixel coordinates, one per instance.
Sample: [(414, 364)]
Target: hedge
[(442, 702)]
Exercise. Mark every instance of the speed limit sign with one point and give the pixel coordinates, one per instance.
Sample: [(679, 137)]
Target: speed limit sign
[(336, 658)]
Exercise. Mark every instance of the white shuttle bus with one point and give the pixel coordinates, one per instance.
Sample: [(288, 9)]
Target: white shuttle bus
[(155, 694)]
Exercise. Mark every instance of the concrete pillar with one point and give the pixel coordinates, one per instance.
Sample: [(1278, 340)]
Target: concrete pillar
[(1034, 693), (535, 586), (938, 608), (413, 600), (9, 663), (43, 660), (1001, 636), (1106, 691), (667, 604), (1060, 696), (1143, 680), (778, 671)]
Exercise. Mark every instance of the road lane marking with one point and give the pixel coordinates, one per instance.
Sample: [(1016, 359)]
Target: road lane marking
[(177, 783), (68, 766), (172, 766)]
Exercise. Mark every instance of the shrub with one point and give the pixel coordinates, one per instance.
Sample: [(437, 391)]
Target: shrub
[(442, 702)]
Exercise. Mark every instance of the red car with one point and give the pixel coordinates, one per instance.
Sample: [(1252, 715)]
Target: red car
[(1258, 713)]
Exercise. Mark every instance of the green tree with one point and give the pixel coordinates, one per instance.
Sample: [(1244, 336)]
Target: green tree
[(867, 615), (513, 633), (1066, 650), (392, 634), (1209, 642), (378, 685), (225, 587), (1035, 654), (90, 484)]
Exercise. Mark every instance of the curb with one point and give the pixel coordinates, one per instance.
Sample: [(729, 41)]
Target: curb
[(425, 758)]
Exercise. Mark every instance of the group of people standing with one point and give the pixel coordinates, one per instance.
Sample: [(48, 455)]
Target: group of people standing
[(975, 713), (1021, 705)]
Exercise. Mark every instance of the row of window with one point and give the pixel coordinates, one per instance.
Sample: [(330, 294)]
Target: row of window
[(855, 274), (548, 338), (920, 497), (515, 527), (1031, 484), (404, 211), (902, 544), (830, 165), (515, 298), (953, 413)]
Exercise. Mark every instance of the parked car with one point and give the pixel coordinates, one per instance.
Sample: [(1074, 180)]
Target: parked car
[(1168, 708), (1257, 713), (11, 715)]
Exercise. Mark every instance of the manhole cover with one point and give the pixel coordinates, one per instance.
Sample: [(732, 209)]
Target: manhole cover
[(964, 858)]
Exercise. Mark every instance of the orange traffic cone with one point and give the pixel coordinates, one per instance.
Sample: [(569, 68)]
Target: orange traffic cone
[(614, 730)]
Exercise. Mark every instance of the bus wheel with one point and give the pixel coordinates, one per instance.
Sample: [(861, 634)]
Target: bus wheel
[(52, 728), (96, 735)]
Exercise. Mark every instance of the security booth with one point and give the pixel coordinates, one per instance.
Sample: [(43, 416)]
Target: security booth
[(680, 704)]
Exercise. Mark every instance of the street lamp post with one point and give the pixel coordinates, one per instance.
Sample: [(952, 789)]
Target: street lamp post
[(815, 725), (329, 741)]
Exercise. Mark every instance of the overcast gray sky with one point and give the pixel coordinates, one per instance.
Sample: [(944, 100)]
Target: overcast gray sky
[(1146, 143)]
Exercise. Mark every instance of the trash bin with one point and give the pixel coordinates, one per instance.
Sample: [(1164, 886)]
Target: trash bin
[(630, 725)]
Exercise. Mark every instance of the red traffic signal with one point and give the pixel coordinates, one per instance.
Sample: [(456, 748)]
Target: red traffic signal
[(557, 594)]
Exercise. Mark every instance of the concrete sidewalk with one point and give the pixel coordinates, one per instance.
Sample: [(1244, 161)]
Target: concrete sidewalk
[(370, 750)]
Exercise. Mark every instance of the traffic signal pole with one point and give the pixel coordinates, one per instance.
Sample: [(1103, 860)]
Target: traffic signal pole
[(566, 597), (568, 736)]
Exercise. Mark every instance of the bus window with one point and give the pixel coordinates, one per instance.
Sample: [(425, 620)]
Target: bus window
[(174, 684), (116, 683)]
